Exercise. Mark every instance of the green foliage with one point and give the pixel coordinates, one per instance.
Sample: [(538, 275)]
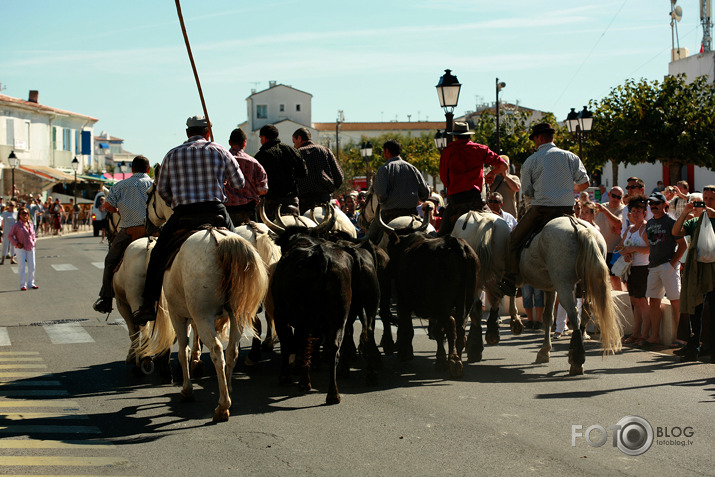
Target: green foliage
[(419, 151), (668, 121)]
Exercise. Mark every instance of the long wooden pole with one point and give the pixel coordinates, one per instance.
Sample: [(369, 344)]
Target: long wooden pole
[(193, 66)]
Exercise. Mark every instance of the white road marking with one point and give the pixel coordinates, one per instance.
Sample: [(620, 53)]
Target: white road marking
[(4, 337), (68, 333), (64, 267), (99, 265)]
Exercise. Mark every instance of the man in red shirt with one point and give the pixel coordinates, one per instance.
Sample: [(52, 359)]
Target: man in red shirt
[(461, 169)]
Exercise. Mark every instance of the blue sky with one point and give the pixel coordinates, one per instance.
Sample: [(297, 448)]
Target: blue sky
[(126, 64)]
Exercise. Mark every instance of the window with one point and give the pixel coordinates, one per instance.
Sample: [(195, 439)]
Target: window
[(66, 138), (297, 107), (77, 142), (282, 108), (262, 111)]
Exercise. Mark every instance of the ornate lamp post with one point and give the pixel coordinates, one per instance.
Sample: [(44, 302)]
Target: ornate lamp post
[(366, 153), (14, 162), (500, 86), (579, 123), (448, 93), (75, 166)]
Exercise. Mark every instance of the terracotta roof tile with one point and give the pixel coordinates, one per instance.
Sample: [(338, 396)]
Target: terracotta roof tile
[(40, 107)]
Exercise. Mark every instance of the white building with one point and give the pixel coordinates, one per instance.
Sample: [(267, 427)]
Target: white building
[(45, 140), (355, 132), (283, 106)]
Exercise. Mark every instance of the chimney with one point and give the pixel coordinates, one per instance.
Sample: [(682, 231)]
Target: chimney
[(271, 84), (33, 95)]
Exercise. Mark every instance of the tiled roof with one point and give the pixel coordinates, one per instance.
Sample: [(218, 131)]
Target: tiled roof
[(383, 126), (40, 107)]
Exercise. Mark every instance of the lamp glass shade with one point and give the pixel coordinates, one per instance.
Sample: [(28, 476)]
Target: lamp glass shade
[(75, 164), (585, 118), (572, 121), (13, 160), (448, 90)]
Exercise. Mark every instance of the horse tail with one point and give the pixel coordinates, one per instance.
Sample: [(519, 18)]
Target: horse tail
[(597, 286), (244, 279), (157, 336)]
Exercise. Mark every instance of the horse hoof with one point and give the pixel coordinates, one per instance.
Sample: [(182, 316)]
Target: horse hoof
[(493, 339), (197, 368), (254, 356), (474, 356), (456, 369), (147, 366), (388, 346), (305, 385), (330, 400), (576, 370), (221, 415), (542, 357), (267, 347), (516, 327), (406, 354), (186, 396)]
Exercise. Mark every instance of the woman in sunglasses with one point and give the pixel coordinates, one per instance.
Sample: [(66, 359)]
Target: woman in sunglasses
[(22, 236)]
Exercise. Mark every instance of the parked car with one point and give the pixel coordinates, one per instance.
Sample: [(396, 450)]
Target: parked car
[(98, 215)]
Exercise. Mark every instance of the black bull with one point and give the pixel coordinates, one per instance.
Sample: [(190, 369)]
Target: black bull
[(436, 278)]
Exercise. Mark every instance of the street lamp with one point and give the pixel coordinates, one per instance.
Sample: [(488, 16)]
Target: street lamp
[(75, 166), (14, 161), (440, 140), (448, 93), (366, 153), (122, 167), (500, 86), (579, 123)]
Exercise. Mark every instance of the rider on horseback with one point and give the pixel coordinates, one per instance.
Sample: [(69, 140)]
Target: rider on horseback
[(191, 179), (129, 197), (550, 177)]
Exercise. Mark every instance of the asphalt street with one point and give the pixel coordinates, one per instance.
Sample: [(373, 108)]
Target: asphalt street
[(69, 405)]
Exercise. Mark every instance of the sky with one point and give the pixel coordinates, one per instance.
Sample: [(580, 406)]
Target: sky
[(126, 64)]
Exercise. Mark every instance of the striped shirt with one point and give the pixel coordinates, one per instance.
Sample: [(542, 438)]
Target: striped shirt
[(255, 176), (129, 197), (548, 176), (196, 171)]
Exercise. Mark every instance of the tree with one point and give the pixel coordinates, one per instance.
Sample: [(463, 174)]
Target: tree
[(668, 121)]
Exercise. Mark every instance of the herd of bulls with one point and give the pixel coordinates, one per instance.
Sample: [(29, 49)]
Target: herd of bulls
[(314, 280)]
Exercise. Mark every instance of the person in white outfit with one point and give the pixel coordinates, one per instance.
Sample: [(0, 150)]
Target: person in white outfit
[(9, 217)]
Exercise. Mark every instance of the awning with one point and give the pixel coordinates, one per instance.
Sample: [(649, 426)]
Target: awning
[(103, 145), (93, 178), (50, 173)]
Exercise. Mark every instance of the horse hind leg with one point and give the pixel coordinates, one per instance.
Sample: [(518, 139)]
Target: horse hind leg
[(515, 323), (544, 354), (475, 343), (182, 335), (254, 356)]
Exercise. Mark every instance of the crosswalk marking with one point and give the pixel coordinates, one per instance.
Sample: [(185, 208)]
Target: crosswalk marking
[(42, 429), (68, 333), (12, 393), (36, 460), (19, 353), (13, 375), (64, 404), (23, 366), (4, 337), (99, 265), (20, 359), (21, 416), (50, 444), (64, 267)]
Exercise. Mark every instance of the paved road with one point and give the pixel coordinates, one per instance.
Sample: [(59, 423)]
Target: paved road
[(70, 406)]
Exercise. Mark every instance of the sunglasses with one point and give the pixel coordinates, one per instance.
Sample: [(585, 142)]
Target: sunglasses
[(634, 187), (654, 204), (495, 202), (24, 213), (614, 196)]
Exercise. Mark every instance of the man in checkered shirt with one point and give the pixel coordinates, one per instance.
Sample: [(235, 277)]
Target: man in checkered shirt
[(550, 177), (191, 179)]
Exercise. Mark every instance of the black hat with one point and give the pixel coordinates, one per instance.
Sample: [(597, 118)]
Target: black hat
[(657, 196), (541, 128)]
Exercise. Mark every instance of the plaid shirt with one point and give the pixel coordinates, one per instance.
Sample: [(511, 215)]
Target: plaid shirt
[(196, 171), (130, 197), (256, 180)]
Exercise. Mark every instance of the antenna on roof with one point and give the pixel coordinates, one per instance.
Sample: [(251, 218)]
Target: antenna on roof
[(705, 14), (676, 14)]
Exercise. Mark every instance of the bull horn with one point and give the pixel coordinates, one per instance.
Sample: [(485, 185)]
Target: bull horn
[(427, 212), (262, 213), (279, 220), (328, 221), (312, 214), (383, 225)]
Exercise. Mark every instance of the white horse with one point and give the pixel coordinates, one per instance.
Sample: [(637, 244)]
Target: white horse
[(487, 234), (568, 251), (215, 273)]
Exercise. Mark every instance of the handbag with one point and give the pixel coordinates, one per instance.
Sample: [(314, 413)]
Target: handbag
[(621, 268), (706, 240)]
